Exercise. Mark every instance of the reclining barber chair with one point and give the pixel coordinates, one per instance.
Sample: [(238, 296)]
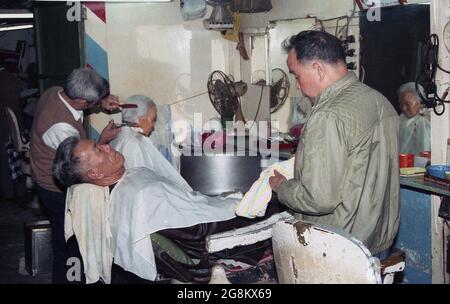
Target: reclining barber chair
[(87, 218), (174, 262), (307, 253), (303, 253)]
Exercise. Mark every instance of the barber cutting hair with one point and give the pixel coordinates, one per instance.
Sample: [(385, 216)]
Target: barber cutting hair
[(59, 115)]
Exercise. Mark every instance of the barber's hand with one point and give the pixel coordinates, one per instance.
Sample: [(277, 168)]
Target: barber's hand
[(110, 102), (109, 133), (276, 180)]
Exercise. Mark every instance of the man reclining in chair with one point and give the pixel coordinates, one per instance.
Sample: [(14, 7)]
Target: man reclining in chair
[(143, 202)]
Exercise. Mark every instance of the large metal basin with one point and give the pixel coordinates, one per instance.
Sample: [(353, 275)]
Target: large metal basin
[(213, 175)]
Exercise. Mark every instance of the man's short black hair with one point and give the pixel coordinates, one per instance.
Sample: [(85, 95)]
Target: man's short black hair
[(320, 45)]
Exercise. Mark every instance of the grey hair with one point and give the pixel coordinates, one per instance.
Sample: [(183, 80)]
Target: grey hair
[(411, 87), (144, 103), (87, 84), (66, 167)]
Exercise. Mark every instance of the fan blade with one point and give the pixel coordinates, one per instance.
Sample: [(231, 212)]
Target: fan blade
[(273, 98), (277, 85)]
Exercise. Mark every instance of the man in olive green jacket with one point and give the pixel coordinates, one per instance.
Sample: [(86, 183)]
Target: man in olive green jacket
[(346, 168)]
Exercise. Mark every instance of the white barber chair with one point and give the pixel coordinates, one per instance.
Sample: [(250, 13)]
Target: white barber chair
[(308, 253)]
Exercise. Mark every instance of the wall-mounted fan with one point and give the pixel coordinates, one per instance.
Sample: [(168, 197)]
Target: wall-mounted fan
[(224, 94), (279, 89)]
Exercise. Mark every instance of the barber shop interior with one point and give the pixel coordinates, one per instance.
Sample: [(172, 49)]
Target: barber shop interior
[(225, 142)]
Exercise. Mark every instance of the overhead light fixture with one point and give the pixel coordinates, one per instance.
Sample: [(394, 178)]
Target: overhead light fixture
[(107, 1), (15, 27), (16, 14)]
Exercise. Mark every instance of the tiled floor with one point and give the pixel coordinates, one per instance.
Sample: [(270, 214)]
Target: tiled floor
[(12, 250)]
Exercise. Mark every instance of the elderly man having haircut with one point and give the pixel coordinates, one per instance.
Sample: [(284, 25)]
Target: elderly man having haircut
[(143, 201), (59, 114), (134, 143), (415, 121)]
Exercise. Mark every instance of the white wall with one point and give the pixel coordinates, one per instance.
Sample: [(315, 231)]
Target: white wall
[(152, 51), (290, 9), (283, 10)]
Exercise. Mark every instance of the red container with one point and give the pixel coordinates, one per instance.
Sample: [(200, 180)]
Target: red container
[(214, 140), (426, 154), (406, 160)]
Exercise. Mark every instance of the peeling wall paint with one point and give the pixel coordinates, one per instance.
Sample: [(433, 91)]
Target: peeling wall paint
[(414, 236)]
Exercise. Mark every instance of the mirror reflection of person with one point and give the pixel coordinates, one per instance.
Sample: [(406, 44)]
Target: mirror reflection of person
[(346, 164), (414, 121)]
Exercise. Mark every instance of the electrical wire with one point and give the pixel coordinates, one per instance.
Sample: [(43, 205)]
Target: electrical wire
[(363, 74), (427, 75), (187, 98), (259, 105)]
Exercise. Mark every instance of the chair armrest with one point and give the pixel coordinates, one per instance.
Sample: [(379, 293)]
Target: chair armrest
[(394, 263), (252, 234)]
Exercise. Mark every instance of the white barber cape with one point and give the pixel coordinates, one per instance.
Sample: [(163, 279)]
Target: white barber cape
[(143, 202), (139, 151), (415, 133)]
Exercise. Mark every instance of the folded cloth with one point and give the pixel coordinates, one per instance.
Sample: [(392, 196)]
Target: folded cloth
[(87, 216), (254, 203)]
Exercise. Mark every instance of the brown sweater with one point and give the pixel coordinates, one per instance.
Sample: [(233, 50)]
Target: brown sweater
[(49, 111)]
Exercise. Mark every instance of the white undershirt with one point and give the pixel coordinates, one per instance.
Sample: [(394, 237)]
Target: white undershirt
[(62, 130)]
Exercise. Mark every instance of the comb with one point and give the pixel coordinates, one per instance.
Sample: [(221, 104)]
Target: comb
[(128, 106)]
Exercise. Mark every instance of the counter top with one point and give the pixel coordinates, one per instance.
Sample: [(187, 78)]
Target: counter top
[(419, 183)]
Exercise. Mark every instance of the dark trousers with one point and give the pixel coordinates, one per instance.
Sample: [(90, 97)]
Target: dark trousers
[(54, 203)]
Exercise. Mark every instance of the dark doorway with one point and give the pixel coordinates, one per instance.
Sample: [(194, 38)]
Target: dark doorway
[(59, 48), (390, 48)]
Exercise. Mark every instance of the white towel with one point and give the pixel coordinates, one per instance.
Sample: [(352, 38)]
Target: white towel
[(255, 201), (87, 216)]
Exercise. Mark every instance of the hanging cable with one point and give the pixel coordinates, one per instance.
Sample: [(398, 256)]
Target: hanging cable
[(257, 110), (427, 75)]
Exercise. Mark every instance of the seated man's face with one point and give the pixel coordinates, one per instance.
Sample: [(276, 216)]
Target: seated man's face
[(102, 164), (147, 123), (409, 104)]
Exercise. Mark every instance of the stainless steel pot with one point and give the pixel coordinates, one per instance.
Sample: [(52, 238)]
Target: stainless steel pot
[(213, 175)]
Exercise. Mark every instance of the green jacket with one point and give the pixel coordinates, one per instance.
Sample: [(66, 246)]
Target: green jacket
[(346, 168)]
